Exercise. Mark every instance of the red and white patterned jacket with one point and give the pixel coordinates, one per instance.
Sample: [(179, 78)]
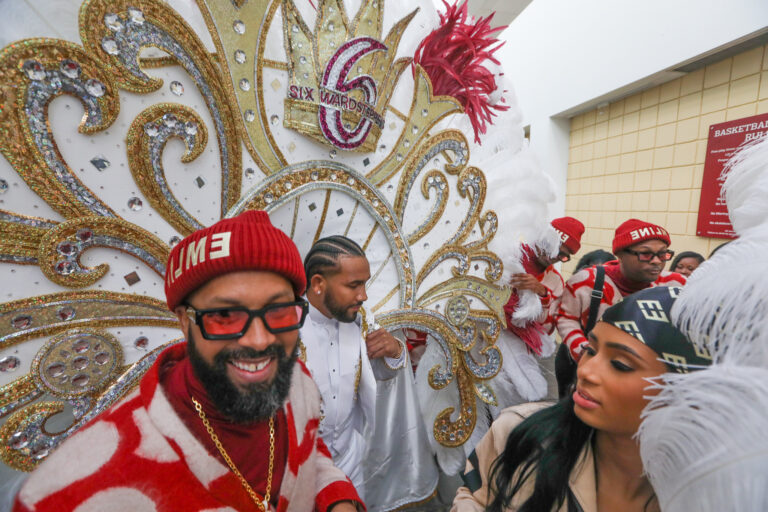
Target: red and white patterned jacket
[(550, 304), (139, 456), (574, 306)]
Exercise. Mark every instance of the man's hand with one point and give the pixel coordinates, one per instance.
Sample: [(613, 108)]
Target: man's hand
[(343, 506), (528, 282), (381, 343)]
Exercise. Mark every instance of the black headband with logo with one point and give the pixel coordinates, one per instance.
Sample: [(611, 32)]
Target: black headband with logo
[(645, 316)]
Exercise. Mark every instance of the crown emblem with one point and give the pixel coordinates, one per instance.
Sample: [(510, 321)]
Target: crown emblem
[(341, 76)]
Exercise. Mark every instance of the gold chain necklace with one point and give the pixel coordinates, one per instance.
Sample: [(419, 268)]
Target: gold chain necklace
[(263, 505)]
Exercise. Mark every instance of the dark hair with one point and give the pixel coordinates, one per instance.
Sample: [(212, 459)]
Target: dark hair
[(595, 257), (683, 255), (324, 255), (545, 446), (719, 247)]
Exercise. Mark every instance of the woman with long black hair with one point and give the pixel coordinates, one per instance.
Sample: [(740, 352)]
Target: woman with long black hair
[(580, 454)]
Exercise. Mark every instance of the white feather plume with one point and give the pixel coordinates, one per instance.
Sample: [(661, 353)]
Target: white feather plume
[(519, 192), (703, 440), (724, 306), (520, 379)]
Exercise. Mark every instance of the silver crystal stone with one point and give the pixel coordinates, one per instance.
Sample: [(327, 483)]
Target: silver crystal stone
[(55, 370), (69, 68), (240, 56), (177, 88), (268, 197), (95, 88), (136, 16), (21, 322), (170, 120), (9, 363), (81, 345), (109, 45), (3, 186), (135, 204), (249, 115), (239, 27), (151, 130), (100, 162), (33, 69), (67, 248), (174, 240), (64, 268), (18, 440), (274, 120), (66, 313), (81, 380), (250, 172), (190, 128), (245, 85), (112, 21)]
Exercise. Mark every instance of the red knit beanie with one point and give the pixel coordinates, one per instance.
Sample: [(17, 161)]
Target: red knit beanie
[(570, 231), (634, 231), (246, 242)]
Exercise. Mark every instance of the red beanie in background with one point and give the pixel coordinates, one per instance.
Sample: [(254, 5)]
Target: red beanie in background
[(570, 231), (246, 242), (634, 231)]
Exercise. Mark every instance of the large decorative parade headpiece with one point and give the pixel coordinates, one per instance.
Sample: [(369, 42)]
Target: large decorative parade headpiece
[(89, 217)]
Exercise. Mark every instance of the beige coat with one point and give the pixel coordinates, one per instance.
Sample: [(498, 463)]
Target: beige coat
[(582, 481)]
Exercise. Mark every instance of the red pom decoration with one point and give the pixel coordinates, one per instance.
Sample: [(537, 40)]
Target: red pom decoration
[(454, 57)]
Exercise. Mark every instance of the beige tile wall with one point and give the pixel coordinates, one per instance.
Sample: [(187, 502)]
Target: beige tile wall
[(643, 156)]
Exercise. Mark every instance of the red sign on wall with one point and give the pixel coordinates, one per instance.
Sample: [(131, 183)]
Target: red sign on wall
[(724, 140)]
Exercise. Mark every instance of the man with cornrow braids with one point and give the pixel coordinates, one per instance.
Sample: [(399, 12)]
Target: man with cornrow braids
[(352, 363)]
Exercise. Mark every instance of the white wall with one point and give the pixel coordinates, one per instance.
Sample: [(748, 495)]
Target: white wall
[(565, 56)]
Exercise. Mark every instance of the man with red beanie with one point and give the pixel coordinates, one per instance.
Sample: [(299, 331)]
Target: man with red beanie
[(542, 277), (227, 420), (641, 249)]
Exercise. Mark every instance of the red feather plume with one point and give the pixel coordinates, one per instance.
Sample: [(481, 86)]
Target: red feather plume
[(454, 57)]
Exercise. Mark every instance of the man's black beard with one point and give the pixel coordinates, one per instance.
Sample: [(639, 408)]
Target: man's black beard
[(259, 401), (339, 312)]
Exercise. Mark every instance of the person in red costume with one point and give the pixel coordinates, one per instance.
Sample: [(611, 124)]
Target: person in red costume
[(642, 251), (224, 421), (542, 278)]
